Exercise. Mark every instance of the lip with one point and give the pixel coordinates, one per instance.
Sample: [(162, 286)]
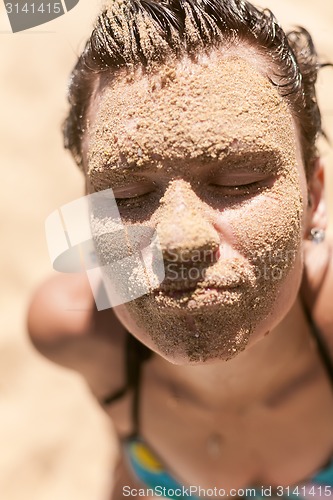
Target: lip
[(197, 298), (177, 287), (180, 290)]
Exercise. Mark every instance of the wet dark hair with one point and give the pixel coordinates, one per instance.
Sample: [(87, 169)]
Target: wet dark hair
[(131, 33)]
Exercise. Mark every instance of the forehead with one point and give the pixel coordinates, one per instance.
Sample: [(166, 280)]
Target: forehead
[(188, 110)]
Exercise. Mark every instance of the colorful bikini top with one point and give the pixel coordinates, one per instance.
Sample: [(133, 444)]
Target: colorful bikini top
[(150, 470)]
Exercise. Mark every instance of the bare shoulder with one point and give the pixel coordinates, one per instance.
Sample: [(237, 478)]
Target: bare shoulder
[(317, 286), (65, 327), (60, 307)]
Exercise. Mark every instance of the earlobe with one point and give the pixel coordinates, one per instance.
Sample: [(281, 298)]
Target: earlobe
[(317, 210)]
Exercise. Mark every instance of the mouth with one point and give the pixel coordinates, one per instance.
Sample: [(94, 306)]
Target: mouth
[(196, 295), (170, 286)]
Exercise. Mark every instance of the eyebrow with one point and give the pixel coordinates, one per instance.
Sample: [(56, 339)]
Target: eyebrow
[(265, 159), (238, 152)]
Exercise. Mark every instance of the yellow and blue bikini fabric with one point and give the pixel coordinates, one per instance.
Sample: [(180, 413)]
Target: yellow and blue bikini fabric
[(151, 472)]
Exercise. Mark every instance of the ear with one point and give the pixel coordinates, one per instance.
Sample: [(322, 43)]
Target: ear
[(317, 211)]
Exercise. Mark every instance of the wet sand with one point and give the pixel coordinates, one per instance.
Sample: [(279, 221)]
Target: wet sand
[(56, 443)]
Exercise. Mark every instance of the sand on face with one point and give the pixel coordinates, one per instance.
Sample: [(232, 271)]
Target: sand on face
[(171, 126), (56, 443)]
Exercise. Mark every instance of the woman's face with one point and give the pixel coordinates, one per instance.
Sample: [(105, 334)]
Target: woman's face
[(207, 155)]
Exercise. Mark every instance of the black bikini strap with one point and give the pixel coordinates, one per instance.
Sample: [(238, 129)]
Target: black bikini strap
[(322, 346), (323, 351), (114, 397), (136, 354)]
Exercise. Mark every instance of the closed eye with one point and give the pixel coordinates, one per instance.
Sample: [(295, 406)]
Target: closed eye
[(239, 189), (133, 191), (242, 186)]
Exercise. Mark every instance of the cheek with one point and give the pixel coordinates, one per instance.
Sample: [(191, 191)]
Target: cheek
[(129, 320), (267, 229)]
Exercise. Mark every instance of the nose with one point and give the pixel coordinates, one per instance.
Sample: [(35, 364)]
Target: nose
[(184, 226)]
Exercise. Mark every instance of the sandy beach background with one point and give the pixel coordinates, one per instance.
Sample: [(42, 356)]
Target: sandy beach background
[(56, 444)]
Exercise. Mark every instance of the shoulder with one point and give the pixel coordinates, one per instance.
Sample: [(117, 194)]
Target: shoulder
[(60, 307), (64, 306), (65, 327), (317, 285)]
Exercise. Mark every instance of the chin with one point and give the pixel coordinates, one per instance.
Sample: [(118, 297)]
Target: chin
[(207, 326), (189, 336)]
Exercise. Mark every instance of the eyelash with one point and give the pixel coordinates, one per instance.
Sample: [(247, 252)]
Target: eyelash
[(224, 190), (132, 201), (240, 190)]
